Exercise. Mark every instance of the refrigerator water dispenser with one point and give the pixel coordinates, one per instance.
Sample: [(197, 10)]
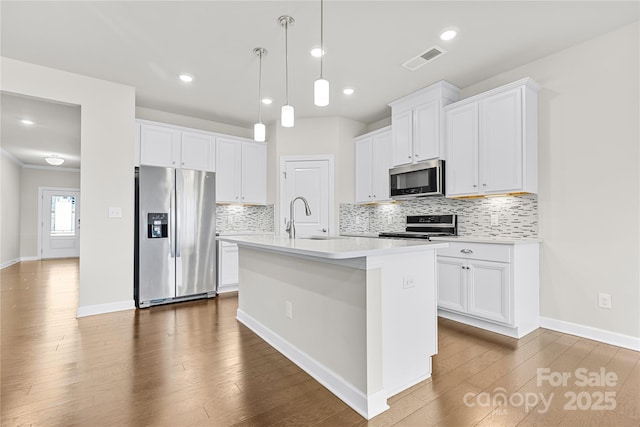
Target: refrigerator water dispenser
[(157, 225)]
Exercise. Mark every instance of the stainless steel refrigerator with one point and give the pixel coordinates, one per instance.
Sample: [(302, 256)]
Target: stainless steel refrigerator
[(175, 245)]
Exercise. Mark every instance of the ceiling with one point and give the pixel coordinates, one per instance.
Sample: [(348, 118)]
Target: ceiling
[(146, 44)]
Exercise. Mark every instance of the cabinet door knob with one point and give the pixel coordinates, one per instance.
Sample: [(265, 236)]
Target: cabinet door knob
[(474, 185), (484, 185), (409, 156), (466, 251), (417, 155)]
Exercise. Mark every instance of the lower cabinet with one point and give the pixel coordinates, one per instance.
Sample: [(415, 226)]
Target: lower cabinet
[(495, 286), (227, 267)]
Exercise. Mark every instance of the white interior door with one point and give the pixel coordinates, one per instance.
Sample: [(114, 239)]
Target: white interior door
[(60, 221), (310, 179)]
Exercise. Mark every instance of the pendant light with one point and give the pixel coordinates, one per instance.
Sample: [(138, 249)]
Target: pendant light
[(321, 86), (259, 130), (286, 112)]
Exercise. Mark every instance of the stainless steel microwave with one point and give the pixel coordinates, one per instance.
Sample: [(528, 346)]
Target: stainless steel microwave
[(417, 180)]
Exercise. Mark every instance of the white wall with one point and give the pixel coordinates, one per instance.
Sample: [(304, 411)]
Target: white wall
[(328, 135), (192, 122), (589, 197), (9, 209), (107, 138), (32, 180)]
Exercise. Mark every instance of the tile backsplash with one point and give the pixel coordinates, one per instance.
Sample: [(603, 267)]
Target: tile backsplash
[(244, 218), (517, 215)]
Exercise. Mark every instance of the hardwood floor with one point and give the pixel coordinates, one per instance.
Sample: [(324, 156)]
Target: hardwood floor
[(193, 364)]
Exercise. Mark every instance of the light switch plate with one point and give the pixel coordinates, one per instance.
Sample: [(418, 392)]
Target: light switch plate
[(495, 220), (115, 212)]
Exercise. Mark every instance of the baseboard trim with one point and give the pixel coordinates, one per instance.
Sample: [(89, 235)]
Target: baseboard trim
[(589, 332), (517, 332), (367, 406), (17, 260), (91, 310)]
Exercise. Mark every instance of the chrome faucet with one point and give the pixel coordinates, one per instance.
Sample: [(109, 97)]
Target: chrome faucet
[(291, 225)]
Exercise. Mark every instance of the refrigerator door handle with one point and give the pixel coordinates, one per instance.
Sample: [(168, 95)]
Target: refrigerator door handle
[(179, 199), (172, 226)]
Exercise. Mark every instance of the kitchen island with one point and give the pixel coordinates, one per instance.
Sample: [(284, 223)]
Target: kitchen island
[(359, 315)]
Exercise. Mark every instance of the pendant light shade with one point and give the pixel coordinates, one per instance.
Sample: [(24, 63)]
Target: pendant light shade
[(286, 112), (259, 130), (321, 86), (287, 116), (321, 92)]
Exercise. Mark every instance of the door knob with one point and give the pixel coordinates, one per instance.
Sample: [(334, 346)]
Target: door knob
[(324, 230)]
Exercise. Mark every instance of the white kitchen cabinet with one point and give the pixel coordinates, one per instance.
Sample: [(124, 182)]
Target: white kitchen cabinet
[(227, 267), (171, 146), (492, 286), (197, 151), (476, 287), (417, 121), (491, 142), (373, 159), (241, 171)]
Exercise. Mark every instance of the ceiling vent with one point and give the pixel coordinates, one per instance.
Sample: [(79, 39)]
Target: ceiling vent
[(426, 56)]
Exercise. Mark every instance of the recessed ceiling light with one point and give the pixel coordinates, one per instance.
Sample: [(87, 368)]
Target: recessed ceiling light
[(348, 91), (187, 78), (316, 52), (448, 34), (26, 122), (267, 101)]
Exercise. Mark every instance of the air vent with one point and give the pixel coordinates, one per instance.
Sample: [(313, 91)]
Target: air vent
[(426, 56)]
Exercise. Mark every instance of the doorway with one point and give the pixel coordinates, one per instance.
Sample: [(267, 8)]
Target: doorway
[(59, 219), (312, 178)]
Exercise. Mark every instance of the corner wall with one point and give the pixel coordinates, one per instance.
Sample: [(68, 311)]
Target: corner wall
[(9, 210), (589, 197), (107, 140)]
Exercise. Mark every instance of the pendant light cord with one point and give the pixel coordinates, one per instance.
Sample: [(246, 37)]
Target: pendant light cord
[(321, 35), (260, 89), (286, 61)]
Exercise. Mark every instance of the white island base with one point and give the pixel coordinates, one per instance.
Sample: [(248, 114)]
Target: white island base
[(362, 322)]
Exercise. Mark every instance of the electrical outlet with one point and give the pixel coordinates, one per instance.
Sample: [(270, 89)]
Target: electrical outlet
[(288, 309), (495, 220), (604, 300), (390, 220), (229, 219), (357, 219), (407, 282)]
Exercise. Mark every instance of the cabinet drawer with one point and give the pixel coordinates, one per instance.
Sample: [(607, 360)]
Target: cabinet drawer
[(483, 251)]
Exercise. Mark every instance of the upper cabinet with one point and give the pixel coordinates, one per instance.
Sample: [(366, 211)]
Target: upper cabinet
[(170, 146), (241, 171), (240, 164), (417, 121), (492, 142), (373, 159)]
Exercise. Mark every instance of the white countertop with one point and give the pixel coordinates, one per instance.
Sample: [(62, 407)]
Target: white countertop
[(496, 240), (245, 233), (334, 247), (464, 239)]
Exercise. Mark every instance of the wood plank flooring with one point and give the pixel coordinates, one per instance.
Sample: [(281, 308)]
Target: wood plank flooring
[(193, 364)]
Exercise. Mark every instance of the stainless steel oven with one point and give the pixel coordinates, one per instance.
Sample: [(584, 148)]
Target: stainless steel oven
[(417, 180)]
